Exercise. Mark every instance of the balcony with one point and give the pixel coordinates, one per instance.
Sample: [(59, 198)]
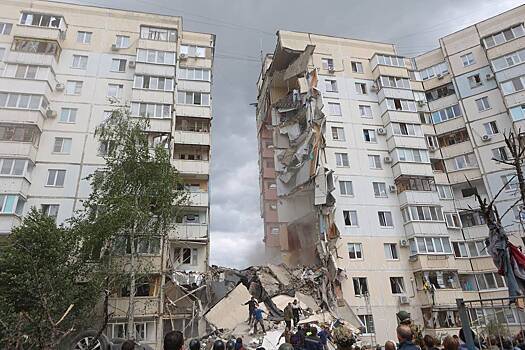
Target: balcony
[(193, 111), (198, 199), (412, 169), (152, 96), (194, 167), (18, 149), (432, 262), (157, 45), (460, 176), (191, 137), (418, 197), (457, 149), (14, 184), (189, 232), (441, 297), (391, 71), (8, 222), (466, 203), (144, 306), (41, 86), (159, 70), (23, 116), (31, 59), (46, 33), (422, 228), (406, 142), (449, 125), (475, 232)]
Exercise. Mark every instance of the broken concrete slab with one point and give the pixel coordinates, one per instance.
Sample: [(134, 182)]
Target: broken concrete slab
[(308, 301), (230, 311), (281, 301), (282, 275)]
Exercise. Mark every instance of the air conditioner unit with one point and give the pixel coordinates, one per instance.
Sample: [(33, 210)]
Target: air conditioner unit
[(421, 103), (183, 56), (60, 87), (51, 113), (403, 300), (486, 137), (392, 188), (387, 159), (381, 131), (439, 76), (132, 64), (489, 76), (114, 47), (403, 243)]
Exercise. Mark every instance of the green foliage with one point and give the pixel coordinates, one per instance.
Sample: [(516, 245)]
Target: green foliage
[(343, 337), (40, 277)]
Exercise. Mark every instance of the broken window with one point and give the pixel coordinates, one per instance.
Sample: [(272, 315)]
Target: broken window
[(360, 286), (328, 63), (36, 46), (40, 20), (452, 220), (504, 36), (193, 51), (474, 81), (5, 28), (350, 217), (158, 34), (150, 110), (186, 256), (439, 279), (397, 285)]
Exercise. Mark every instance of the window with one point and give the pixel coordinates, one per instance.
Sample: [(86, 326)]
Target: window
[(44, 47), (360, 286), (369, 135), (365, 111), (84, 37), (483, 104), (68, 115), (122, 41), (460, 249), (360, 88), (12, 166), (73, 87), (11, 204), (500, 153), (355, 251), (193, 51), (465, 161), (24, 71), (440, 92), (379, 189), (334, 108), (406, 129), (396, 104), (62, 145), (413, 183), (394, 82), (159, 34), (430, 245), (5, 28), (422, 213), (368, 323), (115, 90), (118, 65), (186, 256), (346, 188), (150, 110), (193, 98), (513, 85), (328, 63), (425, 118), (518, 112), (468, 59), (50, 210), (474, 81), (385, 219), (330, 85), (491, 128), (18, 133), (200, 74), (504, 36), (471, 249), (79, 62), (446, 114), (357, 67), (437, 70), (155, 56), (338, 134), (397, 285), (391, 251), (55, 178), (2, 53), (22, 101), (40, 20), (374, 161), (471, 218), (153, 83), (390, 60), (350, 217), (341, 160), (439, 279), (510, 182), (444, 191), (509, 60), (412, 155), (452, 220)]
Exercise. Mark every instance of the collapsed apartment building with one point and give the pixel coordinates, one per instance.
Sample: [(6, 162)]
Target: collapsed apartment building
[(369, 162)]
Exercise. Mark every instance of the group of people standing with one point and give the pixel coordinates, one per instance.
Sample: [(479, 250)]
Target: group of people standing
[(292, 312)]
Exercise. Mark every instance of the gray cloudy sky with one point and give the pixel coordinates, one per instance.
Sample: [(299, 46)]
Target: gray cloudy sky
[(243, 28)]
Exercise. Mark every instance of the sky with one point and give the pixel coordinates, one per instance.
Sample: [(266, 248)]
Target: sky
[(244, 29)]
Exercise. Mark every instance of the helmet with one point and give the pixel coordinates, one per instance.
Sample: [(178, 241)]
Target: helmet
[(403, 316), (218, 345), (230, 345), (195, 344), (286, 346)]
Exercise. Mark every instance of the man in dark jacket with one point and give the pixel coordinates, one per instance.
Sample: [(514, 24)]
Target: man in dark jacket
[(252, 304), (404, 335), (312, 341), (288, 315)]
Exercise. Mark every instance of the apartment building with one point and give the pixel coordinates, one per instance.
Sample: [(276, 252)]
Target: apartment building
[(366, 168), (60, 66)]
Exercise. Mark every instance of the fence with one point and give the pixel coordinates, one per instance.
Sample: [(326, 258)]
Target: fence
[(494, 321)]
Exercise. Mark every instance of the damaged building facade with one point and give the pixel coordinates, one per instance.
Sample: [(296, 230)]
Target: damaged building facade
[(364, 159), (60, 64)]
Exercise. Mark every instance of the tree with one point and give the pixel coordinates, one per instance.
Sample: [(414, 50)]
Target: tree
[(134, 198), (43, 298)]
